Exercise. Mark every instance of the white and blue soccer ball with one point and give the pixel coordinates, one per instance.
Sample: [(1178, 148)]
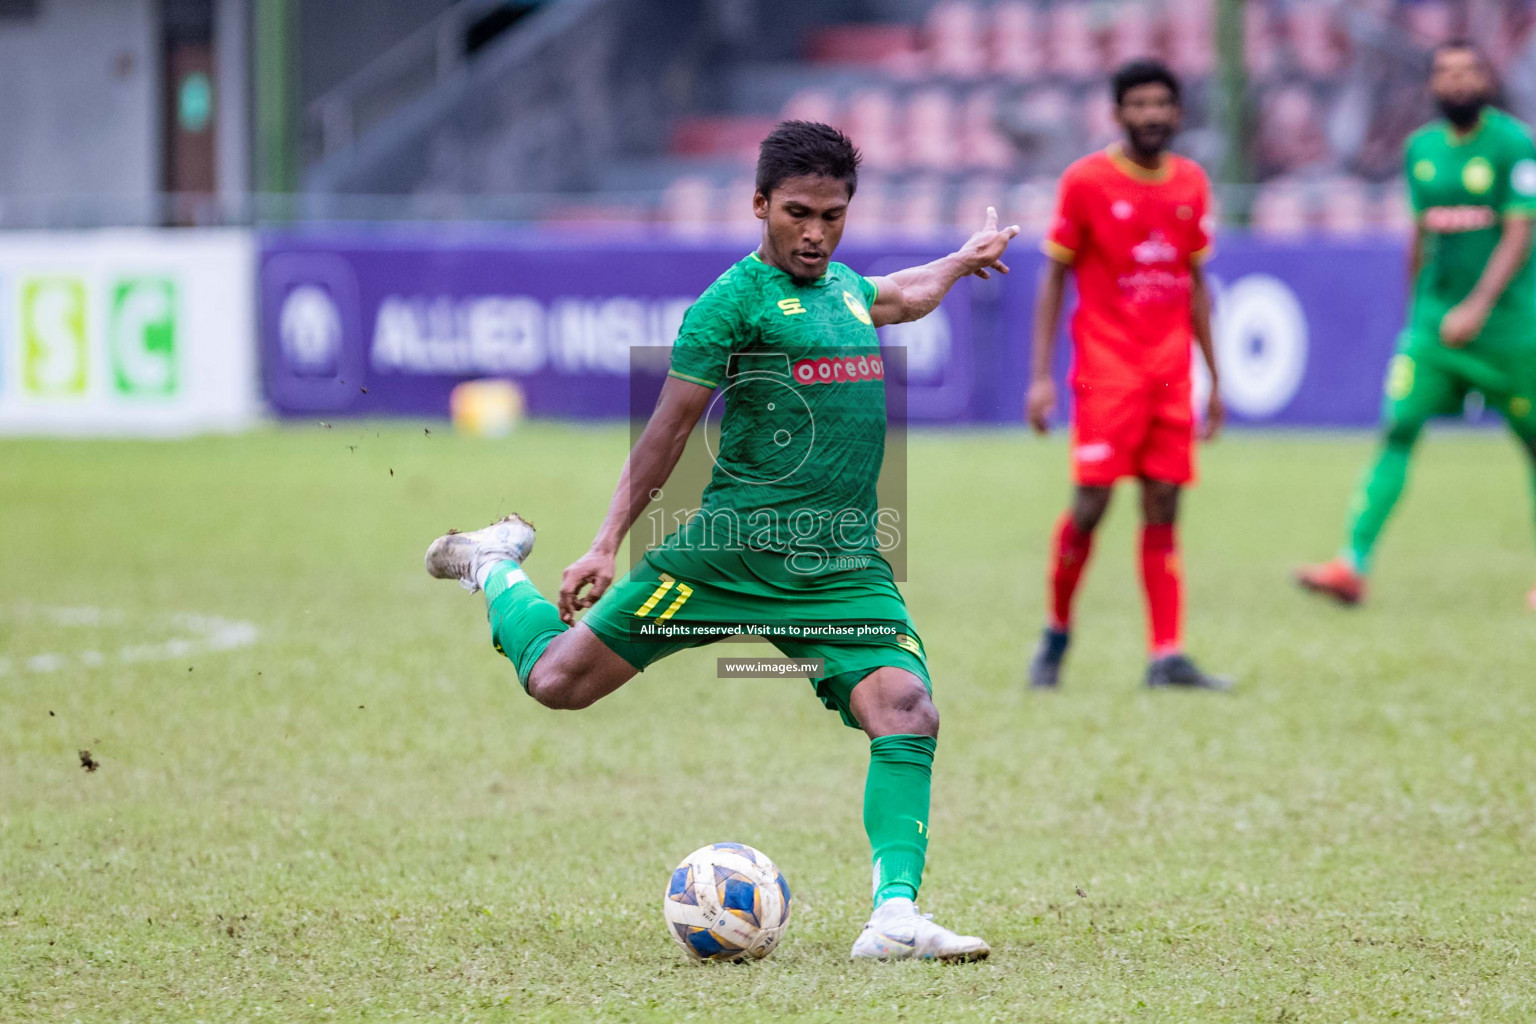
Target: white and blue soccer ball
[(726, 901)]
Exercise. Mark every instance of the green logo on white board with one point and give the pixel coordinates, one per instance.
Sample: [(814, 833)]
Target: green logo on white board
[(141, 336), (53, 338)]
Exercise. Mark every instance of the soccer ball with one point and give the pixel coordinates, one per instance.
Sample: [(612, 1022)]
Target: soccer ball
[(726, 902)]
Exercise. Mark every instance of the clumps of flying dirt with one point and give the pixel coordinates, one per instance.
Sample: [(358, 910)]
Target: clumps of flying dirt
[(88, 762)]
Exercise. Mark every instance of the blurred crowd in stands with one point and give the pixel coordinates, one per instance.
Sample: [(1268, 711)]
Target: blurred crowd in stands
[(986, 102)]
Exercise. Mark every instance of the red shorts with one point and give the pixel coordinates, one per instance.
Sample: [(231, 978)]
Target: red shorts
[(1138, 430)]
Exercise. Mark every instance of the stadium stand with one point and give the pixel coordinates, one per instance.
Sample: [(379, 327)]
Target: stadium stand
[(950, 102)]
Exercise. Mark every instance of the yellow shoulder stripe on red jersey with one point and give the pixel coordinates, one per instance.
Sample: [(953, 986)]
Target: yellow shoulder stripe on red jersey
[(1058, 252)]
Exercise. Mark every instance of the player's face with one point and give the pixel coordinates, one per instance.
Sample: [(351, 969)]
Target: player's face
[(1150, 116), (802, 223), (1460, 84)]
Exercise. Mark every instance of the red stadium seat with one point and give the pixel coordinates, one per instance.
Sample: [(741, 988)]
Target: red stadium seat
[(1047, 114), (955, 45), (688, 206), (1291, 134), (811, 105), (931, 123), (877, 45), (1430, 22), (971, 202), (736, 137), (870, 213), (1032, 205), (1098, 120), (1393, 215), (920, 213), (872, 124), (1280, 210), (733, 207), (981, 144), (1015, 50), (1073, 51), (1192, 38), (1346, 207), (1316, 39), (1260, 45), (1132, 33)]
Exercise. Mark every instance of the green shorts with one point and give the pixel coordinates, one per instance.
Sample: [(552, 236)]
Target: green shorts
[(855, 620), (1427, 379)]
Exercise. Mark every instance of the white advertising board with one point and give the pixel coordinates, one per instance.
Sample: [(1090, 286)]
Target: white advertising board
[(127, 333)]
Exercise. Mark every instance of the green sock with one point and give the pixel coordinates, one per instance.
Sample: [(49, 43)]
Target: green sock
[(1530, 446), (522, 621), (1377, 493), (896, 812)]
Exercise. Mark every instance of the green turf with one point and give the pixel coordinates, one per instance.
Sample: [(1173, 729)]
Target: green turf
[(360, 816)]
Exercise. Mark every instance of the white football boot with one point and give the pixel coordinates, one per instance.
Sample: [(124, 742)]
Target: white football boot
[(896, 931), (463, 556)]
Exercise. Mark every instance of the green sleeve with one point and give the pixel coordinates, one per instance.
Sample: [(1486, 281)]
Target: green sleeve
[(712, 329), (1517, 178), (870, 289), (1410, 168)]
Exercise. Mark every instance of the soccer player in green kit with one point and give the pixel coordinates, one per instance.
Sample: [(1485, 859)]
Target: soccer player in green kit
[(1472, 321), (790, 506)]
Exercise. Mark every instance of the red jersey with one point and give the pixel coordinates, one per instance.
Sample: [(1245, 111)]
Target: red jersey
[(1131, 236)]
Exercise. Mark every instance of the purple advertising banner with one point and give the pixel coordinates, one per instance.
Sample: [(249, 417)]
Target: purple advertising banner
[(409, 320), (1304, 330)]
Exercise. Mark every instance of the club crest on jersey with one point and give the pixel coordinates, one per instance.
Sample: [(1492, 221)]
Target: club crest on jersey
[(857, 309), (1477, 175), (1156, 249), (1122, 209), (842, 370)]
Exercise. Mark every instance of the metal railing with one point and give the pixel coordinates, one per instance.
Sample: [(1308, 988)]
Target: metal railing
[(431, 55), (643, 212)]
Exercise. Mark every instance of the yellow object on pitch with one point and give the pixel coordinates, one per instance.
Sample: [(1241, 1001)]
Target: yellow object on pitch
[(486, 408)]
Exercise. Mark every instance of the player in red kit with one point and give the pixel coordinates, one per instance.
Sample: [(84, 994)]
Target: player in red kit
[(1132, 225)]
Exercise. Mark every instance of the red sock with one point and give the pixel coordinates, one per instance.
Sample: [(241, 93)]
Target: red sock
[(1162, 579), (1071, 558)]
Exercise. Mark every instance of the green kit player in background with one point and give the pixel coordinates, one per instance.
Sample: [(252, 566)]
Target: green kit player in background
[(1472, 320), (787, 535)]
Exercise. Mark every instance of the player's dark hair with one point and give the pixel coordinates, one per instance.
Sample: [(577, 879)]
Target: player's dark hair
[(797, 148), (1143, 72), (1460, 43)]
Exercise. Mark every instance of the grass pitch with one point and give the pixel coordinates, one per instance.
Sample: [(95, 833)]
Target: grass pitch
[(321, 796)]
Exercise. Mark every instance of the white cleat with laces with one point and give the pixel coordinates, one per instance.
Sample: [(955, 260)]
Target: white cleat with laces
[(896, 931), (467, 556)]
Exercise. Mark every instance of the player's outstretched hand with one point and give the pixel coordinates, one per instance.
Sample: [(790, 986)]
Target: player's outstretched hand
[(984, 251), (1039, 403), (594, 568), (1215, 417)]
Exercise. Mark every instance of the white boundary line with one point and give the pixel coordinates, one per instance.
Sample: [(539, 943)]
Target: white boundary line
[(197, 634)]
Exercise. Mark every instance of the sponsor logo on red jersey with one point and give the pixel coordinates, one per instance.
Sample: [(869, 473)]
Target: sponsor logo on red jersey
[(1156, 249)]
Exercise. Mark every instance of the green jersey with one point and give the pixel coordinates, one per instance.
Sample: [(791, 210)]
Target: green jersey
[(802, 438), (1462, 187)]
